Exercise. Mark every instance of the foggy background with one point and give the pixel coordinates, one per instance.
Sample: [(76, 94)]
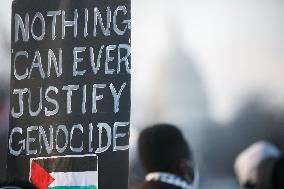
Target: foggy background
[(215, 68)]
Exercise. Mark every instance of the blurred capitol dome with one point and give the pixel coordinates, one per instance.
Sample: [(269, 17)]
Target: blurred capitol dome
[(180, 94)]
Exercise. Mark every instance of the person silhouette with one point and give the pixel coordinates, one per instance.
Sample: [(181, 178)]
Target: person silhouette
[(167, 158)]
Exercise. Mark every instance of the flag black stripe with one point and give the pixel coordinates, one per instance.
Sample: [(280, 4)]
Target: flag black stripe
[(68, 164)]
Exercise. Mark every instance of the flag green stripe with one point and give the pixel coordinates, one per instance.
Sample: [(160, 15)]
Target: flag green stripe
[(73, 187)]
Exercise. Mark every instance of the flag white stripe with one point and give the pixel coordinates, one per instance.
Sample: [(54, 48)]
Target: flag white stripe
[(86, 178)]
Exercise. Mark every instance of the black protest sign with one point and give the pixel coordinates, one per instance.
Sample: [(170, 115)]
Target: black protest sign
[(70, 93)]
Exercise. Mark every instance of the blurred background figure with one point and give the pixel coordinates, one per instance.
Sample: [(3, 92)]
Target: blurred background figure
[(254, 166), (167, 158), (278, 174), (17, 185)]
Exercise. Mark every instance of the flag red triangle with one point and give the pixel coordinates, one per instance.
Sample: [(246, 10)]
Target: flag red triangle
[(39, 177)]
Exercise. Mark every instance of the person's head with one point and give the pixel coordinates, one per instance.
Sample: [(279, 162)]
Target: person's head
[(253, 166), (17, 185), (162, 148), (278, 174)]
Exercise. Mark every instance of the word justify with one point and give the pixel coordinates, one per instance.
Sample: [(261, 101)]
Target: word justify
[(18, 110)]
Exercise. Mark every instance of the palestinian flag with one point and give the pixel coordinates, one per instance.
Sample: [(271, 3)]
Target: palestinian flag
[(65, 172)]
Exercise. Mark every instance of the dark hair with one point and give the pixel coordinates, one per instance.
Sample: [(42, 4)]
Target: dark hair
[(160, 146), (17, 185), (278, 174)]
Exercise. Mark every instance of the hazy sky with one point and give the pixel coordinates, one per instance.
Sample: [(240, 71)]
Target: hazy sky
[(237, 46), (5, 11)]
